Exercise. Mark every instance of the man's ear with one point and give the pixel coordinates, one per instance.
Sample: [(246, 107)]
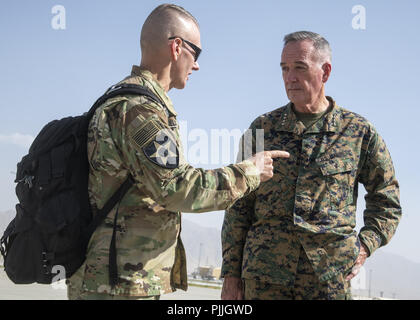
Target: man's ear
[(175, 49), (326, 68)]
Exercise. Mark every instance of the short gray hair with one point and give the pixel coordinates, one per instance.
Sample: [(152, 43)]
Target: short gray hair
[(320, 44)]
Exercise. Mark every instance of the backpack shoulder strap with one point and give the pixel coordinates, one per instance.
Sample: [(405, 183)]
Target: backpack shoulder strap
[(102, 213), (121, 89)]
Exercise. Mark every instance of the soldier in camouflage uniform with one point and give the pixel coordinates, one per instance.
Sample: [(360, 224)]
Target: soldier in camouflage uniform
[(134, 135), (294, 237)]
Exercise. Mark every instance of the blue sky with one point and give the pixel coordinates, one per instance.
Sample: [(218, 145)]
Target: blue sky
[(47, 74)]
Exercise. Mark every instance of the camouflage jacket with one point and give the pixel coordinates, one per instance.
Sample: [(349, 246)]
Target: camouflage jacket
[(311, 200), (123, 138)]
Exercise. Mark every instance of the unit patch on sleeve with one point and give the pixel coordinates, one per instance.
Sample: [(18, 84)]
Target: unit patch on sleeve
[(163, 150)]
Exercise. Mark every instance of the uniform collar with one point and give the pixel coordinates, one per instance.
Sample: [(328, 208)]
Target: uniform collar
[(330, 122), (137, 71)]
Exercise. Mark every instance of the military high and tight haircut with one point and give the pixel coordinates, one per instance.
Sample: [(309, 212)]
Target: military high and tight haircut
[(320, 44), (163, 22)]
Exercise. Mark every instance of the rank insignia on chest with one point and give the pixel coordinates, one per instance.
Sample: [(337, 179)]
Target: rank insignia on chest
[(163, 150)]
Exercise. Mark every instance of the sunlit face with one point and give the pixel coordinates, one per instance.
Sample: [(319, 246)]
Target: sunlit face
[(185, 63), (303, 75)]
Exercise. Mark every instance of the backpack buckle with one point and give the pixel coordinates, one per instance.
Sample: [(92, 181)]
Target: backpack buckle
[(3, 247), (113, 88), (27, 180)]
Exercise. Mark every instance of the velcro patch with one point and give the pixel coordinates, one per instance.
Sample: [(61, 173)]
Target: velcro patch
[(163, 150), (144, 134)]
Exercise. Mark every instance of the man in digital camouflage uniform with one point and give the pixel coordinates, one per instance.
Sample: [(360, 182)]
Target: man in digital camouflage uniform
[(294, 237), (134, 135)]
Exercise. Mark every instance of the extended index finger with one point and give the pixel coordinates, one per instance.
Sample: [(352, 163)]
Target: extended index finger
[(279, 154)]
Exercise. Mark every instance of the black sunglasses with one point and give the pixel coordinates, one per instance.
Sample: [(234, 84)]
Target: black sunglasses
[(196, 49)]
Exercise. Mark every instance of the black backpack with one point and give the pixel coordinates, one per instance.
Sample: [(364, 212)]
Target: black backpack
[(54, 221)]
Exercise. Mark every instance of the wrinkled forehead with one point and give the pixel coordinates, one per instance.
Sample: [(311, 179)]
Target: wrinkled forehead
[(302, 50)]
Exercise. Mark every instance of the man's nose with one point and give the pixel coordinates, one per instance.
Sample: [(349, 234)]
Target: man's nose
[(196, 66), (291, 77)]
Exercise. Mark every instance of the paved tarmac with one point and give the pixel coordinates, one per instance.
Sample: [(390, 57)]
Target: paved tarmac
[(11, 291)]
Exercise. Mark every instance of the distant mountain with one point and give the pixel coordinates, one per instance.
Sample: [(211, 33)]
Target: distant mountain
[(391, 276), (195, 236)]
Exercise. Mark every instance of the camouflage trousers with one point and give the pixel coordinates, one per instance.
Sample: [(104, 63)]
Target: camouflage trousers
[(306, 286), (73, 294), (104, 296), (76, 292)]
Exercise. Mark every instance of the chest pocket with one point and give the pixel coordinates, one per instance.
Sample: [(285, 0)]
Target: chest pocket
[(339, 175)]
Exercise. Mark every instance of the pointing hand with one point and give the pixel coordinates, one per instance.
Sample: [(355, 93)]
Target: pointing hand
[(264, 162)]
